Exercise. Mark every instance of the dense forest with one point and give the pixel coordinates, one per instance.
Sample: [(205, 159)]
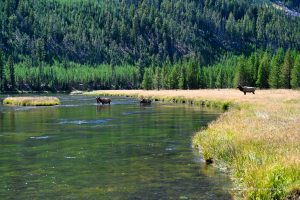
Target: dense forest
[(294, 4), (151, 44)]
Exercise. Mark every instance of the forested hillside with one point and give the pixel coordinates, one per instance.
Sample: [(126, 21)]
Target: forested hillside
[(295, 4), (38, 37)]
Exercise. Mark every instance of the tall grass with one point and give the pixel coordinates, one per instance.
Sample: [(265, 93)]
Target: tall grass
[(32, 101), (261, 147)]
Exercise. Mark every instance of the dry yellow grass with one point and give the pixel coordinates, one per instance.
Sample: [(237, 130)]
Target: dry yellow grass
[(32, 101), (261, 96), (258, 140)]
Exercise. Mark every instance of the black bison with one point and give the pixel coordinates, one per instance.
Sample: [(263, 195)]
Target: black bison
[(145, 101), (103, 100), (246, 89)]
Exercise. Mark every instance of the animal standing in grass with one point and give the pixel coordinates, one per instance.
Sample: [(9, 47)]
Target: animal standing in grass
[(246, 89), (103, 100)]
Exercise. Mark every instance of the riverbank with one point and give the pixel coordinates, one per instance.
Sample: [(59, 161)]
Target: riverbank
[(257, 140), (32, 101)]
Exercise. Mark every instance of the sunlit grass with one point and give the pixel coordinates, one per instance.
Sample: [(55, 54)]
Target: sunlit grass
[(257, 140), (261, 147), (176, 96), (31, 101)]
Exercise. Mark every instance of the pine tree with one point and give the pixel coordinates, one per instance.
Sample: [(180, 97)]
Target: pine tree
[(11, 72), (157, 78), (295, 82), (40, 55), (241, 74), (182, 80), (285, 78), (192, 70), (253, 65), (220, 77), (276, 63), (2, 73), (230, 25), (147, 80), (263, 72), (174, 78), (201, 78)]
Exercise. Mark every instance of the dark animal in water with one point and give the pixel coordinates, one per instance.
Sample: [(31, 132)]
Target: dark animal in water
[(146, 101), (209, 161), (103, 100), (246, 89)]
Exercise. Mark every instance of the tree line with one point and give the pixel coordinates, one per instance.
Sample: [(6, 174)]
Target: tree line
[(66, 76), (262, 68)]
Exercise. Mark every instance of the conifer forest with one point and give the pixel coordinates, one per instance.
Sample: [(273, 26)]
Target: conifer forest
[(60, 45)]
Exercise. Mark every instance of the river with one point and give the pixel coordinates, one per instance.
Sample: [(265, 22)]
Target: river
[(80, 150)]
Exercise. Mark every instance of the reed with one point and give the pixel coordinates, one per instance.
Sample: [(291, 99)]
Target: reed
[(31, 101), (257, 140)]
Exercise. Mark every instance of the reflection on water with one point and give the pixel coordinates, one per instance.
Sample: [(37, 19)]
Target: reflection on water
[(79, 122), (80, 150)]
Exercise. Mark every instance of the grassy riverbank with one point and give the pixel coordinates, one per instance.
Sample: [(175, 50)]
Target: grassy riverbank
[(31, 101), (258, 140)]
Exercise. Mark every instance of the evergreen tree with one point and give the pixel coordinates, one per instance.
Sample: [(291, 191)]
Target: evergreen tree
[(11, 72), (263, 72), (147, 80), (157, 78), (201, 78), (253, 65), (2, 73), (295, 81), (230, 25), (285, 78), (276, 63), (40, 56), (174, 78), (182, 81), (241, 74), (219, 81), (192, 71)]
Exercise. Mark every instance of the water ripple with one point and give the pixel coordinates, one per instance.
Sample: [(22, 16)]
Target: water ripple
[(70, 157), (39, 137), (80, 122)]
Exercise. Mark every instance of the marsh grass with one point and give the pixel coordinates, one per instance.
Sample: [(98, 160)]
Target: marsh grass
[(257, 139), (31, 101), (175, 96)]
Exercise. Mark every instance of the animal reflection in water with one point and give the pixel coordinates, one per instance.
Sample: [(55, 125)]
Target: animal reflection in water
[(103, 100), (100, 108), (145, 101)]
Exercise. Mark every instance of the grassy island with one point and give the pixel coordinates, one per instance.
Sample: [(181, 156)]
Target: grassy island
[(257, 140), (31, 101)]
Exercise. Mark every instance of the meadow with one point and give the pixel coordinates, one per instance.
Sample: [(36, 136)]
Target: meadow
[(257, 140)]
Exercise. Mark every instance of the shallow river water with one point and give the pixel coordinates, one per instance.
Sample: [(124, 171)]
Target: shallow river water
[(79, 150)]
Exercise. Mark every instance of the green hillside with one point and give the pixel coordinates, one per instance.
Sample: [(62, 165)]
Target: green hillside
[(141, 33)]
